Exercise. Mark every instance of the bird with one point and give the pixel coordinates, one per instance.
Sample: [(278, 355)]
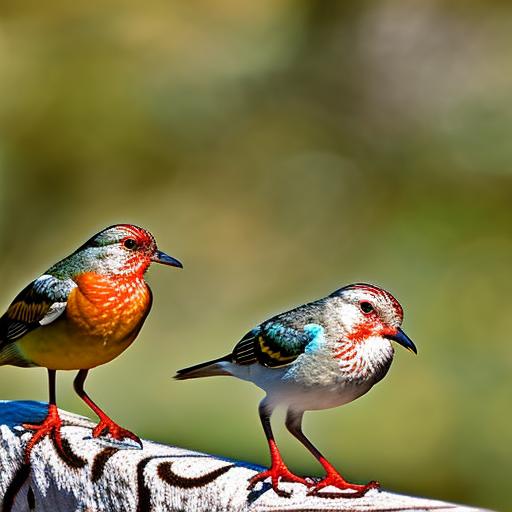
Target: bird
[(319, 355), (81, 313)]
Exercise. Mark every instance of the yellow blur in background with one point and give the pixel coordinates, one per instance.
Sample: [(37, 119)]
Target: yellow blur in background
[(280, 149)]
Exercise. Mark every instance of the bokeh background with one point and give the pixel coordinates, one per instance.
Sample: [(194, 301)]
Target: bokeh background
[(281, 149)]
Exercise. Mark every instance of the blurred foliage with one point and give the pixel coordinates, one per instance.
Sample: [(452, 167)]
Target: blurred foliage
[(280, 149)]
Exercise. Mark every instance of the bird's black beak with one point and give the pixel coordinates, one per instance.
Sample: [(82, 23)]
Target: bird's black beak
[(404, 340), (165, 259)]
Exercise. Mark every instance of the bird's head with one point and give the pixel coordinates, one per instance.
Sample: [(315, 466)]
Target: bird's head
[(122, 249), (367, 311)]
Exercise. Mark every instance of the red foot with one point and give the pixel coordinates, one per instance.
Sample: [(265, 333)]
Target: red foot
[(49, 427), (334, 479), (275, 473), (107, 426)]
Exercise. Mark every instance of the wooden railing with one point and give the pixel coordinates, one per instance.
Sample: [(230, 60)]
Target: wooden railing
[(98, 476)]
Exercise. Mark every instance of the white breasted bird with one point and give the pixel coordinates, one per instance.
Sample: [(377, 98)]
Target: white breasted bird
[(317, 356)]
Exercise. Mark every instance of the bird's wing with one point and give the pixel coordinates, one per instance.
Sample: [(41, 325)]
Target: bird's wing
[(39, 304), (273, 344)]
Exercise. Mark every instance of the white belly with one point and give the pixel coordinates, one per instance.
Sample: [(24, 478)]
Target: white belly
[(288, 392)]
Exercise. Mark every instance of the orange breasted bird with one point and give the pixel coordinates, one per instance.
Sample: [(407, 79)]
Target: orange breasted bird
[(82, 312)]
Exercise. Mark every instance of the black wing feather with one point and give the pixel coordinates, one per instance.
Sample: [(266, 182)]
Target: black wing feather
[(31, 305)]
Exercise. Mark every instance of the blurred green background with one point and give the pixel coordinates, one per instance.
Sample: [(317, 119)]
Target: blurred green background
[(280, 149)]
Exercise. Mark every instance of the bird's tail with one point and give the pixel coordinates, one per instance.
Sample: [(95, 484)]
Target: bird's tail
[(207, 369)]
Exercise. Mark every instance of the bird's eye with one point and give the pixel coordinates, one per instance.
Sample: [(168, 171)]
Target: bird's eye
[(366, 307), (130, 243)]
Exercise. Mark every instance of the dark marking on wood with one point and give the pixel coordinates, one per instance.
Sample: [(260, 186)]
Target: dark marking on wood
[(31, 499), (166, 473), (20, 477), (143, 492), (68, 456), (99, 462)]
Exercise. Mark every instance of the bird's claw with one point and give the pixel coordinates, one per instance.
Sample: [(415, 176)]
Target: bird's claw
[(50, 427), (276, 473), (107, 426), (336, 480)]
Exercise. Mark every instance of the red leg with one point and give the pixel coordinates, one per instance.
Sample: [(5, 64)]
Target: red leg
[(278, 469), (105, 425), (50, 426), (332, 478)]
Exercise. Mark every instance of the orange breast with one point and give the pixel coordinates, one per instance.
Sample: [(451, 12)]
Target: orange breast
[(103, 317), (106, 308)]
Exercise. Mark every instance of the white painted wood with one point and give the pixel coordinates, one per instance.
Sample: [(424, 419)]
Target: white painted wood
[(110, 477)]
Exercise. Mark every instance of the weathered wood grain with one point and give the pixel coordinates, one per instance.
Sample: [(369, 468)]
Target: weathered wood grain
[(96, 475)]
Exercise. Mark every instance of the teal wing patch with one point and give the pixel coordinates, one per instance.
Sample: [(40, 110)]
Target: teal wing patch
[(273, 344)]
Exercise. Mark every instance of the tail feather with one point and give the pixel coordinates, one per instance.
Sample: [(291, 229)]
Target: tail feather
[(207, 369), (9, 354)]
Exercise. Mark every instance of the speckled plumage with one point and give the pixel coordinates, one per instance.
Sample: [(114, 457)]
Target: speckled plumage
[(320, 355), (82, 312)]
